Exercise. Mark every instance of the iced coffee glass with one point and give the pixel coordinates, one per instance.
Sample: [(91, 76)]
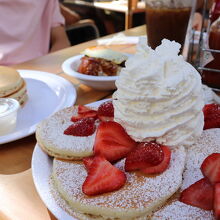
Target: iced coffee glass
[(167, 19)]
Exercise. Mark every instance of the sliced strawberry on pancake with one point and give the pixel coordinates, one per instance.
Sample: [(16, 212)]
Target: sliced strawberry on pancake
[(84, 109), (106, 111), (161, 167), (87, 161), (144, 155), (84, 112), (211, 168), (211, 116), (83, 127), (103, 177), (112, 141), (217, 201), (200, 194)]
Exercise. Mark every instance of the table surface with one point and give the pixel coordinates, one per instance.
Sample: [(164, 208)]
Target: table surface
[(15, 157)]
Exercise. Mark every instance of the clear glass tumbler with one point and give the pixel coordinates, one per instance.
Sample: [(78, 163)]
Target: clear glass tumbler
[(167, 19)]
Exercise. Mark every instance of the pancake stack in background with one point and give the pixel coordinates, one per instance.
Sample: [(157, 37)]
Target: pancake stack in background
[(12, 85)]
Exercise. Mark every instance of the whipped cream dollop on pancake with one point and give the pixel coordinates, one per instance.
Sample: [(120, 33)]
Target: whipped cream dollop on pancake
[(159, 96)]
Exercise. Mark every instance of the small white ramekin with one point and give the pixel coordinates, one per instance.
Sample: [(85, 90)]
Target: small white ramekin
[(8, 115)]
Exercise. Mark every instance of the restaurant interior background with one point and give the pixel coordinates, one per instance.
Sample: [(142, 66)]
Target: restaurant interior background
[(108, 16)]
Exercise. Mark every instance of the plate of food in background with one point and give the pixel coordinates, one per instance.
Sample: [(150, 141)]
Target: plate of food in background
[(40, 94), (97, 67)]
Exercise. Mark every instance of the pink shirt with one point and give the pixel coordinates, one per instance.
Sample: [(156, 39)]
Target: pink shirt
[(25, 27)]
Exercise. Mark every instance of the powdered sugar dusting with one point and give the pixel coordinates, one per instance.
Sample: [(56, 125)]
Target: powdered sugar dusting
[(139, 193), (180, 211), (50, 134), (70, 210), (208, 143)]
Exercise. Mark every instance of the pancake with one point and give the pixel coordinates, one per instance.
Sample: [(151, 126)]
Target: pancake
[(21, 94), (208, 143), (139, 196), (50, 137), (10, 81)]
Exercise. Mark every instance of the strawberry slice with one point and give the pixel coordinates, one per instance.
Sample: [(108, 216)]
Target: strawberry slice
[(87, 161), (106, 111), (82, 109), (112, 141), (161, 167), (200, 194), (83, 127), (84, 115), (84, 112), (103, 177), (211, 116), (144, 155), (217, 201), (211, 168)]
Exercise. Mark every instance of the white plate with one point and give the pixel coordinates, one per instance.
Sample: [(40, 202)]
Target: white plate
[(41, 171), (47, 93)]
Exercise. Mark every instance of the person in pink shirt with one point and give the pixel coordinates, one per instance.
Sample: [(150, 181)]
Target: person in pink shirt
[(30, 29)]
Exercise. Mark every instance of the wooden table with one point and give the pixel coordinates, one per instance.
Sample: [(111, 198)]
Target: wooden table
[(19, 200), (128, 8)]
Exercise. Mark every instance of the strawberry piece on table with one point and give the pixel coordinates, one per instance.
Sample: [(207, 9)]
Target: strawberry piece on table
[(200, 194), (87, 161), (83, 127), (112, 141), (211, 116), (217, 201), (106, 111), (144, 155), (103, 177), (211, 168), (161, 167)]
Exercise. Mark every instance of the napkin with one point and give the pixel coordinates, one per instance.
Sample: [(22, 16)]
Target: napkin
[(119, 39)]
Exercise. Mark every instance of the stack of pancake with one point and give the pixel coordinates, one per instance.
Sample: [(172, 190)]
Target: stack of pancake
[(141, 198), (12, 85)]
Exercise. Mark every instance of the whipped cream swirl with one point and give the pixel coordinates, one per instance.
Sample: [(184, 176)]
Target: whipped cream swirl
[(159, 96)]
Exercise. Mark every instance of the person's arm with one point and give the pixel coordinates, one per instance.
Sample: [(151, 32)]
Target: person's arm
[(197, 21), (59, 39)]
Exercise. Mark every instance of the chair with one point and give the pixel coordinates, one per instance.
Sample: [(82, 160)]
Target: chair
[(82, 31)]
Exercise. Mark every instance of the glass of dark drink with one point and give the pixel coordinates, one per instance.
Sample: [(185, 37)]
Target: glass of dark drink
[(167, 19)]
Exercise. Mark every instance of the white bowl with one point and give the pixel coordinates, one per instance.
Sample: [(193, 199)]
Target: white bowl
[(70, 67)]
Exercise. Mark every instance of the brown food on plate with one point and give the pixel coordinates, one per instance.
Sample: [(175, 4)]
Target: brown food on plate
[(101, 62), (98, 67)]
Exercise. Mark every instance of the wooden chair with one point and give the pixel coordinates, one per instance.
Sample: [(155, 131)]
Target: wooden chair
[(132, 5)]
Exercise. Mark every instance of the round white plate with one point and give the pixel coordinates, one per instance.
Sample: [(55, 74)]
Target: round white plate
[(47, 93), (41, 171)]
